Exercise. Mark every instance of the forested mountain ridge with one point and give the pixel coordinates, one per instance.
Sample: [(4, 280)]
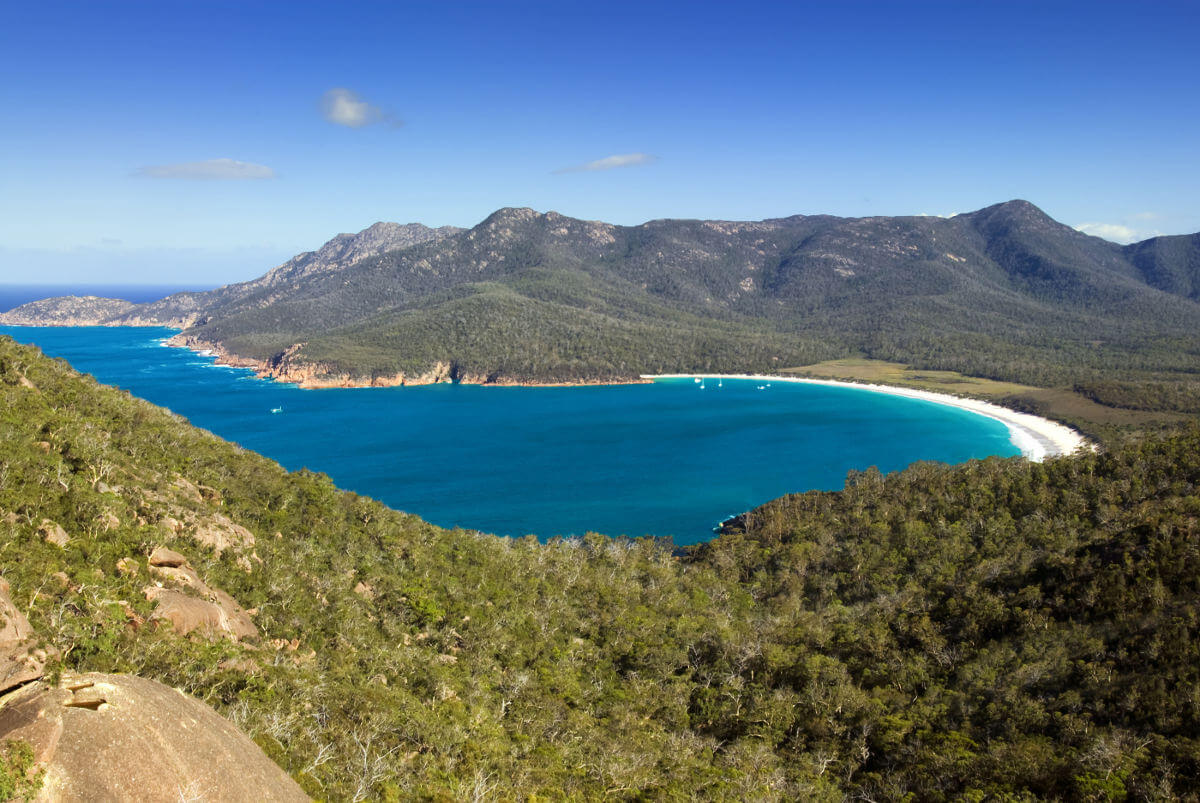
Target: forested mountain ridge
[(1004, 292), (1169, 263), (1001, 629)]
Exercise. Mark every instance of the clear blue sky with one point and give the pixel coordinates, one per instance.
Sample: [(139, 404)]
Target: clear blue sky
[(207, 141)]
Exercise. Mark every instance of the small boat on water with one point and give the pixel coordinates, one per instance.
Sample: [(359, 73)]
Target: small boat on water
[(276, 409)]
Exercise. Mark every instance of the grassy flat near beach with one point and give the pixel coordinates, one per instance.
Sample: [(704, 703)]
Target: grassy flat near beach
[(1061, 404)]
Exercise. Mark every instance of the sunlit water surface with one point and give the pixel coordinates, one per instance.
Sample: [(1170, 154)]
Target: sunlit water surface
[(668, 458)]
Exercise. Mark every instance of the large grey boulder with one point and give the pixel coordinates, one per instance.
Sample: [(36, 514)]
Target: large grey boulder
[(124, 738), (200, 609)]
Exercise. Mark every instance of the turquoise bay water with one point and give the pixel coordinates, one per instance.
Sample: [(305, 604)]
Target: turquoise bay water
[(663, 459)]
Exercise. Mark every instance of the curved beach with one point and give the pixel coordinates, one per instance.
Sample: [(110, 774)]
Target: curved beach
[(1036, 437)]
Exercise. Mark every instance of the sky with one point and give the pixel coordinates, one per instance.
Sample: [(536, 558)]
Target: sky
[(205, 142)]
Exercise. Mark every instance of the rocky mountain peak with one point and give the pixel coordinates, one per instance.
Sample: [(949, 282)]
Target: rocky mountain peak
[(1016, 210), (346, 250), (509, 215), (1012, 216)]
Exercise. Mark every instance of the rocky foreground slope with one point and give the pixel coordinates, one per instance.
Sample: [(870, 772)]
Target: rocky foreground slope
[(91, 736), (1000, 629)]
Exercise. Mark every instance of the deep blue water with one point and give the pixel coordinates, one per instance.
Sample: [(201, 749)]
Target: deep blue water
[(14, 295), (663, 459)]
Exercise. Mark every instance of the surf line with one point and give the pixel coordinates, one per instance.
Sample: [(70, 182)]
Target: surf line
[(1037, 438)]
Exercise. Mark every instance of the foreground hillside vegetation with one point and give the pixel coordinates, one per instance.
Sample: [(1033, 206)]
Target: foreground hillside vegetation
[(999, 629)]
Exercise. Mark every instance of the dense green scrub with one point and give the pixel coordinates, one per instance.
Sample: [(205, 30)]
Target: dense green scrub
[(998, 628)]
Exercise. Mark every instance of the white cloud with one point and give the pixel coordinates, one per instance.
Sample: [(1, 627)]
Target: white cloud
[(213, 169), (611, 162), (1115, 232), (342, 106)]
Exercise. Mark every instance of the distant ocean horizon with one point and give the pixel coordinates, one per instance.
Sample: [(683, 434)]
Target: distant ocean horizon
[(14, 295)]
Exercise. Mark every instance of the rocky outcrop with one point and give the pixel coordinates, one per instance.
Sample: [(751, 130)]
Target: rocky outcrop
[(21, 660), (346, 250), (190, 605), (316, 375), (120, 737), (162, 557), (219, 533), (290, 366), (53, 533)]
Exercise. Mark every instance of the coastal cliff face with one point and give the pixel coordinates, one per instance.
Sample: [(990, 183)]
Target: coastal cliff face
[(347, 250), (288, 367)]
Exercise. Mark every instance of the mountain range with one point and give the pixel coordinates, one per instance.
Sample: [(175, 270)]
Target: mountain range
[(1004, 292)]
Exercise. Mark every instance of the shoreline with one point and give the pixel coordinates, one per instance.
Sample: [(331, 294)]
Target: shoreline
[(314, 376), (1037, 438)]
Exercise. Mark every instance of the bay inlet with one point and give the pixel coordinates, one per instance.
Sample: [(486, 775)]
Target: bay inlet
[(670, 458)]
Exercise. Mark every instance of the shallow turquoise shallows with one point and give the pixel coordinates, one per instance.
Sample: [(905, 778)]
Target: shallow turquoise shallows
[(663, 459)]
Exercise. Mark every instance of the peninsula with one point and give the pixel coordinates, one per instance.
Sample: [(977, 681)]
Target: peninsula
[(1004, 292)]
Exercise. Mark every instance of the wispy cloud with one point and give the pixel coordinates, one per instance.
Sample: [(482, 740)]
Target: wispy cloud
[(213, 169), (611, 163), (342, 106), (1117, 232)]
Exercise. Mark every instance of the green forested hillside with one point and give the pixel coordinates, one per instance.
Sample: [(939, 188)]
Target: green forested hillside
[(1169, 263), (1000, 629), (1005, 292)]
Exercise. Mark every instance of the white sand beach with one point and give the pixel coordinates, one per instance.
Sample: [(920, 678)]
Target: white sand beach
[(1036, 437)]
